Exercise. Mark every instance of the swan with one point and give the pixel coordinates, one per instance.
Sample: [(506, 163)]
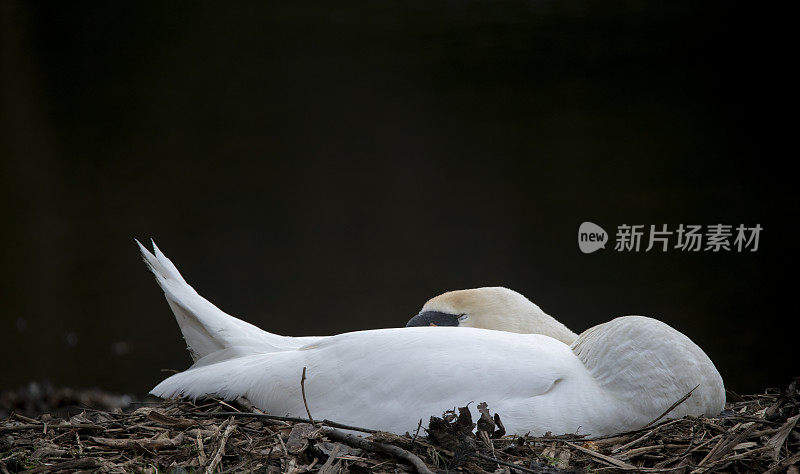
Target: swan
[(493, 307), (616, 376)]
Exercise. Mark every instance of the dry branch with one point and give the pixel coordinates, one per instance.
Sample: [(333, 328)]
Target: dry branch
[(672, 407), (303, 391), (361, 443)]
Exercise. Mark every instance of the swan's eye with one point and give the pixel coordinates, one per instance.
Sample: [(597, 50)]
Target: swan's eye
[(463, 318)]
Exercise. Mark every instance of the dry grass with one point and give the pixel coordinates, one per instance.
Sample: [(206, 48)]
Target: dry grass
[(756, 433)]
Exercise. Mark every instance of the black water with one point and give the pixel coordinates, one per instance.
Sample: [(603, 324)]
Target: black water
[(318, 168)]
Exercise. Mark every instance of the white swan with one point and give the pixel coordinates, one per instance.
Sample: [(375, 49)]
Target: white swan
[(493, 307), (616, 376)]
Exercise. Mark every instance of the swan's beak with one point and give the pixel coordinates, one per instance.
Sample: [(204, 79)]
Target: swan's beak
[(433, 318)]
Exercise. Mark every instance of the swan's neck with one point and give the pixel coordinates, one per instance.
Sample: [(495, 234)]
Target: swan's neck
[(648, 366), (537, 321)]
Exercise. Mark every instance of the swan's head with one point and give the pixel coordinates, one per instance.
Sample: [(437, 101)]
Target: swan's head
[(493, 307)]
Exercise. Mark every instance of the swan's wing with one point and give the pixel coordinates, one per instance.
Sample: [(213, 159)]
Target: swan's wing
[(391, 378), (206, 328)]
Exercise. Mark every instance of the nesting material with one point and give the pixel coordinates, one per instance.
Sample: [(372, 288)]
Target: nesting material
[(756, 433)]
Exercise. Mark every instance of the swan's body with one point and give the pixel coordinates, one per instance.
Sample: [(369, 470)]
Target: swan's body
[(616, 376)]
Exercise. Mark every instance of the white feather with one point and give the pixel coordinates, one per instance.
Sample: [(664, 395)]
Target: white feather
[(206, 328)]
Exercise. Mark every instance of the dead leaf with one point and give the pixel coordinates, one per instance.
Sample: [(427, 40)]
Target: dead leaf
[(591, 445), (464, 422), (776, 442), (550, 451), (328, 448), (455, 435), (501, 430), (485, 423), (299, 436)]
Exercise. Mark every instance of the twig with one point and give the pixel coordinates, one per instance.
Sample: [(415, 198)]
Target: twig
[(72, 426), (783, 464), (725, 445), (606, 439), (414, 439), (80, 446), (504, 463), (332, 424), (201, 453), (24, 418), (367, 445), (688, 452), (75, 464), (608, 459), (326, 467), (683, 399), (303, 390), (222, 402), (644, 437), (283, 445), (147, 445), (221, 448)]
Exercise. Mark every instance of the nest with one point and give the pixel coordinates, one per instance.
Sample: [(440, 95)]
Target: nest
[(756, 433)]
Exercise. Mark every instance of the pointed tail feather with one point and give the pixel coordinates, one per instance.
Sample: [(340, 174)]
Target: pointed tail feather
[(206, 328)]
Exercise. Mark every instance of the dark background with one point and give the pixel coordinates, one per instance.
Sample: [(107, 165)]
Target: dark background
[(318, 168)]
